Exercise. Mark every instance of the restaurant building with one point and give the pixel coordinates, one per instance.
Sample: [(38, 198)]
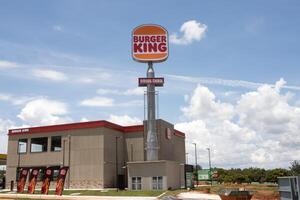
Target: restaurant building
[(99, 154)]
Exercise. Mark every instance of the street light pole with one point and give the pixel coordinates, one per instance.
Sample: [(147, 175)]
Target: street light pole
[(209, 161), (187, 158), (117, 181), (196, 162)]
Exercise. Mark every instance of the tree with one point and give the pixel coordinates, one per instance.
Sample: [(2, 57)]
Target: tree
[(273, 174), (295, 168)]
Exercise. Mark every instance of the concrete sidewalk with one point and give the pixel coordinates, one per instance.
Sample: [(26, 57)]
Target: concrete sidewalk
[(68, 197), (198, 196)]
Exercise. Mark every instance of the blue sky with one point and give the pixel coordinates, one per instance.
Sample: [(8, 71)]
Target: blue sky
[(71, 59)]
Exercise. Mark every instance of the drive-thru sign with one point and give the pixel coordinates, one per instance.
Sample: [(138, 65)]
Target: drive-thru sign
[(150, 43)]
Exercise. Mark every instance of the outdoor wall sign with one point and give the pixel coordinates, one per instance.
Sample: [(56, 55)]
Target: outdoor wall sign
[(168, 133)]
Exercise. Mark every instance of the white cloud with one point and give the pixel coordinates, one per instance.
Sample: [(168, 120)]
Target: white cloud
[(124, 120), (49, 74), (98, 102), (203, 105), (86, 80), (43, 111), (135, 91), (7, 65), (109, 102), (225, 82), (108, 91), (191, 30), (16, 100), (4, 126), (57, 28), (132, 103), (129, 92), (261, 129)]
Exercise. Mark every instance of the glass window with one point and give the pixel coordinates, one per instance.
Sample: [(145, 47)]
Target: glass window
[(136, 183), (39, 144), (22, 146), (56, 143), (157, 183)]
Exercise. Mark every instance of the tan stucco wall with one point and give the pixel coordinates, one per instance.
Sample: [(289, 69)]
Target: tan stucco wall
[(170, 149), (172, 173), (134, 146), (86, 156)]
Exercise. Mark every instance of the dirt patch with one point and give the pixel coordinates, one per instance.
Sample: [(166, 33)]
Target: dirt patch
[(265, 195)]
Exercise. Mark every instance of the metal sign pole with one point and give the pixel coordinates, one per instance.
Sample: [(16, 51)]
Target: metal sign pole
[(152, 144)]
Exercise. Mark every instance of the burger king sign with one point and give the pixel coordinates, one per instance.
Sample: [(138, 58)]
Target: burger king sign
[(150, 43)]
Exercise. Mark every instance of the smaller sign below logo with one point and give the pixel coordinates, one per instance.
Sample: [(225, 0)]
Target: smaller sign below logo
[(155, 81)]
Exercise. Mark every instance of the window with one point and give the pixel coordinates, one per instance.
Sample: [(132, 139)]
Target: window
[(39, 144), (56, 143), (136, 183), (157, 183), (22, 146)]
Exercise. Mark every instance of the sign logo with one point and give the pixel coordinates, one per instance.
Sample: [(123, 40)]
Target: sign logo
[(150, 43), (168, 133)]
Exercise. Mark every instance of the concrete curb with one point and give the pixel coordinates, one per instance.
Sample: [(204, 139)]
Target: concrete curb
[(68, 197)]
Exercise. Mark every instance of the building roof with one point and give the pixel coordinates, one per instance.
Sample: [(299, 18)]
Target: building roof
[(81, 125)]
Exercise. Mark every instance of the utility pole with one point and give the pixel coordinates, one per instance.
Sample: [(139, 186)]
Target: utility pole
[(196, 162), (209, 162), (117, 179)]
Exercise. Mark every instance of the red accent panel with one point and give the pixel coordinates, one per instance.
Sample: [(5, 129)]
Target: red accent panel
[(73, 126), (178, 133), (136, 128), (82, 125)]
